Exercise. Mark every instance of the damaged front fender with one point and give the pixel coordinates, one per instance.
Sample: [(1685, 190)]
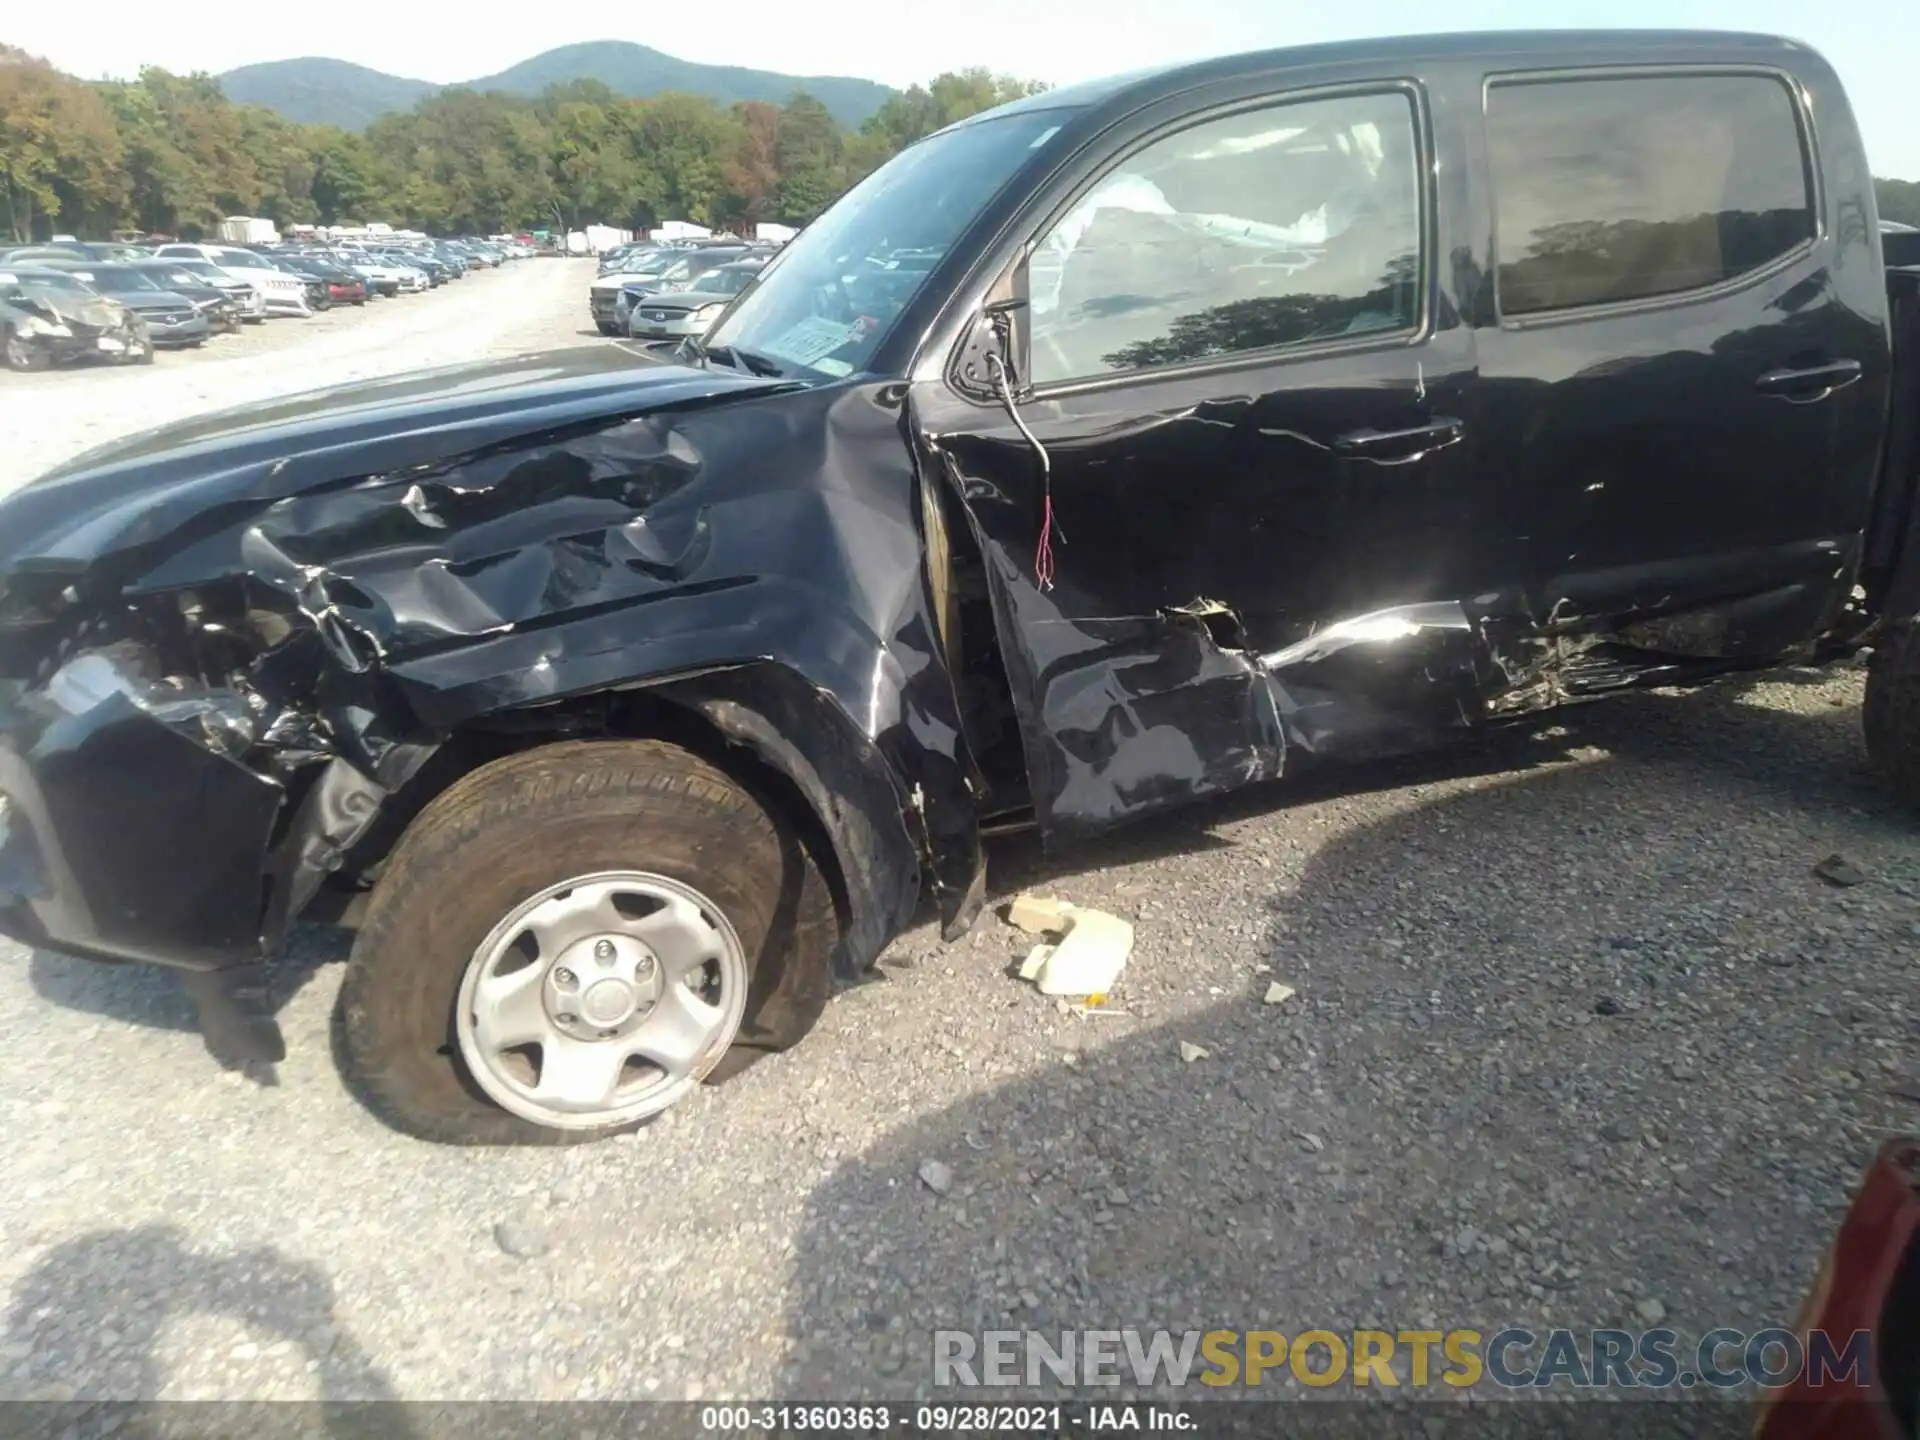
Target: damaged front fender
[(365, 586)]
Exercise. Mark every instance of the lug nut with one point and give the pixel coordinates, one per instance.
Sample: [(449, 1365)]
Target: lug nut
[(644, 965), (603, 950), (608, 1034), (569, 1019), (563, 976)]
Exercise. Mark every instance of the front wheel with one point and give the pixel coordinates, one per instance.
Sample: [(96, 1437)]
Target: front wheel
[(568, 941), (607, 327), (22, 356), (1891, 712)]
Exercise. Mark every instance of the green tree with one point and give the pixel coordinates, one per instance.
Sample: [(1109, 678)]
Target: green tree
[(60, 153), (810, 152), (170, 154)]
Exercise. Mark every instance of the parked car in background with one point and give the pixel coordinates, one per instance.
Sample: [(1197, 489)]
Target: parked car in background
[(221, 308), (319, 294), (68, 250), (340, 286), (388, 276), (172, 320), (52, 317), (674, 314), (251, 303), (282, 293), (672, 270), (437, 271)]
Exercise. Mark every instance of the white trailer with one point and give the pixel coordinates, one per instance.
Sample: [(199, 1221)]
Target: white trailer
[(248, 230)]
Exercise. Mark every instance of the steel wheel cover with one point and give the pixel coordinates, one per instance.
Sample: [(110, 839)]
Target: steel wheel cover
[(601, 1000)]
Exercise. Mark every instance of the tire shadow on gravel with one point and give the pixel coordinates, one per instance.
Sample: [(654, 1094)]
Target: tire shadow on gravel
[(1584, 1045), (95, 1311)]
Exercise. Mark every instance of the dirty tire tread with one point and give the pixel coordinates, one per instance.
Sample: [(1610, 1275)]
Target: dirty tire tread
[(532, 819), (1890, 714)]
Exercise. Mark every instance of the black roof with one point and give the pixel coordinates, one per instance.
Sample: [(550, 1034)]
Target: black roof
[(1132, 89)]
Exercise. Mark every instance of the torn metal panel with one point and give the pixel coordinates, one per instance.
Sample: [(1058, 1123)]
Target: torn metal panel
[(1389, 680), (1125, 715)]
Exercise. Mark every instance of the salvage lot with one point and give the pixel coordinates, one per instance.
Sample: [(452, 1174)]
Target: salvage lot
[(52, 415), (1579, 1039)]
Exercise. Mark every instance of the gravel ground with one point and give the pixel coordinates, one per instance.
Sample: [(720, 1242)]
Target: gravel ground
[(1579, 1039)]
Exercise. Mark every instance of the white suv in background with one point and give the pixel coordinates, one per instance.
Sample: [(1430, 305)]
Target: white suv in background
[(283, 294)]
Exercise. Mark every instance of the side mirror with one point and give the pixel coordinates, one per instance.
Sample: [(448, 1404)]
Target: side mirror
[(992, 351)]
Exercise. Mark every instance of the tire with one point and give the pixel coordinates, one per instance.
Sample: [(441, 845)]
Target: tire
[(21, 356), (508, 833), (607, 327), (144, 355), (1891, 713)]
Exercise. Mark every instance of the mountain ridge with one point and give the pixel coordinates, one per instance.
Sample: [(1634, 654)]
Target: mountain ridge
[(320, 90)]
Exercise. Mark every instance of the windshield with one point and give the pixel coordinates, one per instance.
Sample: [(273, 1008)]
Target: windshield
[(244, 259), (51, 280), (838, 286)]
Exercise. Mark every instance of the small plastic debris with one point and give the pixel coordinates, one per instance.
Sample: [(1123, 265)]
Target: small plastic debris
[(936, 1176), (1036, 960), (1090, 954), (1278, 994), (1838, 870), (1039, 914), (1190, 1052)]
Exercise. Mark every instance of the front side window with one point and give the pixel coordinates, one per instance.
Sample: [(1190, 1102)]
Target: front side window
[(1293, 223), (1617, 189)]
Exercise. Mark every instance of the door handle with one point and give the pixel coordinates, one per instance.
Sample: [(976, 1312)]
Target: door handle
[(1400, 447), (1814, 382)]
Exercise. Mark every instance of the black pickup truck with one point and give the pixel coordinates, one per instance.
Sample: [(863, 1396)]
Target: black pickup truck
[(1128, 444)]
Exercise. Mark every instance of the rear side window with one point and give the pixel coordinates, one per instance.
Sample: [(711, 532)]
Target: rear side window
[(1625, 189)]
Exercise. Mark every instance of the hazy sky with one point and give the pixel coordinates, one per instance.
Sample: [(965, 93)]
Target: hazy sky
[(1871, 42)]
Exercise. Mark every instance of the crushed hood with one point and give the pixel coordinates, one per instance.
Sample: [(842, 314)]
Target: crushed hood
[(143, 495), (93, 310)]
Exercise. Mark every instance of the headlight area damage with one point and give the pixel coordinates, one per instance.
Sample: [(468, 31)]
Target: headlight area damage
[(217, 689)]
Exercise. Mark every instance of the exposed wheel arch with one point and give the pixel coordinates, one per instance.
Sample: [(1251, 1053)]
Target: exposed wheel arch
[(761, 724)]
